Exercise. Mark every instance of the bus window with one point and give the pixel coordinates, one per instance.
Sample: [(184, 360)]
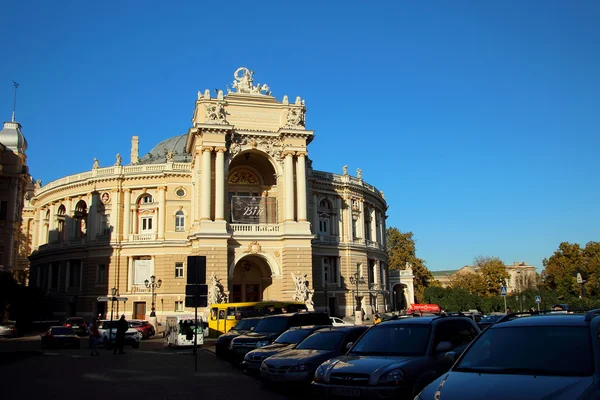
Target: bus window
[(246, 311), (213, 313), (221, 314)]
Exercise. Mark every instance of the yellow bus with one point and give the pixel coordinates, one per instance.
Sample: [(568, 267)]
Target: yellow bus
[(224, 316)]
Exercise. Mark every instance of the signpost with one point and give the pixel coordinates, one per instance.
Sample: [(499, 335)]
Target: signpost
[(112, 307), (538, 300), (504, 293)]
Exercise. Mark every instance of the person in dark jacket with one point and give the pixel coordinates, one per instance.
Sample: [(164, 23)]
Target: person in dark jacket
[(122, 327)]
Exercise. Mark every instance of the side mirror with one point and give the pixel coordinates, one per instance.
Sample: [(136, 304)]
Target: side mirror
[(349, 345), (443, 347), (450, 357)]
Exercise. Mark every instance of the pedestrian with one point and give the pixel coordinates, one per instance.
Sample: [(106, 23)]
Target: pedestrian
[(122, 327), (508, 310), (94, 334)]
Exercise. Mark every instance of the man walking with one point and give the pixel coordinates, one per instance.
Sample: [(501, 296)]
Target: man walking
[(122, 326), (94, 335)]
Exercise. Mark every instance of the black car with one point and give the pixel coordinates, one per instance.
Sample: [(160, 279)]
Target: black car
[(269, 329), (60, 336), (534, 357), (78, 324), (287, 341), (298, 365), (243, 326), (489, 320), (395, 359)]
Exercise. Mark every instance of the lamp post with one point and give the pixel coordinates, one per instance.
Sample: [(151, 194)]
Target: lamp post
[(153, 284), (113, 293), (356, 279)]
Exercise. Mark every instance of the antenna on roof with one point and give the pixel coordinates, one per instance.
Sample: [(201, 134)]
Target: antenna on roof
[(16, 85)]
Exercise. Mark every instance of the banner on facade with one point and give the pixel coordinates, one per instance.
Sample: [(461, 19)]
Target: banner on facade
[(253, 210), (142, 270)]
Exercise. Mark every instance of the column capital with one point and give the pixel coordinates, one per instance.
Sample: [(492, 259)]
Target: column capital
[(126, 190), (207, 148), (221, 149), (288, 153), (301, 153), (163, 188)]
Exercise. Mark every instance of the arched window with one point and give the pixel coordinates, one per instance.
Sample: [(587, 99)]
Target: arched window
[(179, 221), (326, 217), (146, 199), (80, 218), (60, 219)]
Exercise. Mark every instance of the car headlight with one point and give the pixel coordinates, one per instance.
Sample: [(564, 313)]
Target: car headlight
[(139, 334), (262, 343), (301, 368), (393, 377), (263, 367), (230, 345), (319, 374)]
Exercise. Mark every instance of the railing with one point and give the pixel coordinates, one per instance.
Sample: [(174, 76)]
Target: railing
[(328, 238), (336, 178), (142, 237), (250, 229)]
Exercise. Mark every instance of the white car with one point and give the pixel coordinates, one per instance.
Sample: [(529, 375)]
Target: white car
[(335, 321), (132, 335)]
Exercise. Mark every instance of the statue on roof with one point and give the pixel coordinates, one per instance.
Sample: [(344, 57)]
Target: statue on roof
[(244, 83)]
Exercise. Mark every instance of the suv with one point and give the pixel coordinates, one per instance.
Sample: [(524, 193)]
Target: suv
[(533, 356), (78, 324), (269, 328), (243, 326), (395, 358)]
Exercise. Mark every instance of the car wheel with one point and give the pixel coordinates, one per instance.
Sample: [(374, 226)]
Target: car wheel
[(135, 345)]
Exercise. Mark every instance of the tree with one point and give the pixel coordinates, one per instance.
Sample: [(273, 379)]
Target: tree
[(472, 282), (402, 252), (493, 272), (560, 270)]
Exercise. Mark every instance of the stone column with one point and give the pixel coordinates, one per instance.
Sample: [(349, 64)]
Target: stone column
[(196, 187), (374, 225), (68, 277), (41, 227), (206, 192), (162, 210), (301, 183), (220, 185), (52, 221), (316, 213), (289, 186), (129, 273), (361, 220), (340, 210), (127, 214), (136, 220)]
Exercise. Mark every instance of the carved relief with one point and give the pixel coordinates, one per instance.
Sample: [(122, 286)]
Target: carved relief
[(243, 83), (243, 177), (254, 247), (215, 113), (303, 293), (216, 291), (271, 146), (295, 118)]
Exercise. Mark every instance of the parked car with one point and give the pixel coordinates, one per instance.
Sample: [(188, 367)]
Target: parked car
[(489, 320), (299, 364), (132, 336), (60, 336), (78, 324), (395, 358), (144, 327), (535, 357), (9, 329), (286, 341), (335, 321), (243, 326), (269, 329)]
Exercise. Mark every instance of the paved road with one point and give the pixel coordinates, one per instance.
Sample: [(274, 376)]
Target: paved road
[(150, 372)]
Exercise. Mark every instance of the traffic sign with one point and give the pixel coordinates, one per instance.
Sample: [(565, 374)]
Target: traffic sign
[(116, 298), (503, 291), (579, 278), (538, 299)]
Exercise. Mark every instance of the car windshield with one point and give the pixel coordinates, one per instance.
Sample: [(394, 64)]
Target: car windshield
[(491, 318), (270, 325), (245, 324), (531, 350), (62, 331), (329, 340), (393, 340), (293, 337), (135, 324)]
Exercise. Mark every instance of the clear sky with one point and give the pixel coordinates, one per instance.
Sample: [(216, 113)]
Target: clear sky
[(480, 120)]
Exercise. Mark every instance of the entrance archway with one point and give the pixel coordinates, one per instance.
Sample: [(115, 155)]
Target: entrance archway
[(251, 280)]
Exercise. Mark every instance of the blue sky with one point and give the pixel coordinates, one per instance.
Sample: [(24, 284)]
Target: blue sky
[(479, 120)]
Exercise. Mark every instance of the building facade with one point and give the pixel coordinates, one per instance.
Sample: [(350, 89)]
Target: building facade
[(14, 182), (238, 188)]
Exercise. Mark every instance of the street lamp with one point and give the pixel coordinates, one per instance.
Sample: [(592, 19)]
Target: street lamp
[(153, 284), (356, 279)]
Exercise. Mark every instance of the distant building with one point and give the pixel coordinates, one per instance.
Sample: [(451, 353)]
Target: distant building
[(14, 179), (521, 276)]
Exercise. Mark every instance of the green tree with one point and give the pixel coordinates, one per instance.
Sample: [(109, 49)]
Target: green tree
[(472, 282), (493, 272), (560, 270), (402, 252)]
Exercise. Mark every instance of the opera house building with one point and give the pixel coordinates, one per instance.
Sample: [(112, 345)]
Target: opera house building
[(238, 188)]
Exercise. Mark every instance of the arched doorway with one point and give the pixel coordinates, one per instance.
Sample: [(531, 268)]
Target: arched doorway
[(251, 280)]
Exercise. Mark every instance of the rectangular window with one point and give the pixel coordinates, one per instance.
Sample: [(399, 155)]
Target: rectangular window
[(179, 222), (3, 209), (354, 228), (330, 269), (106, 224), (323, 225), (101, 274), (74, 275), (146, 224), (179, 270), (179, 306)]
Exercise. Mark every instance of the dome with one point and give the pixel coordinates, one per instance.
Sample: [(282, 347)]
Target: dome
[(12, 137), (158, 154)]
